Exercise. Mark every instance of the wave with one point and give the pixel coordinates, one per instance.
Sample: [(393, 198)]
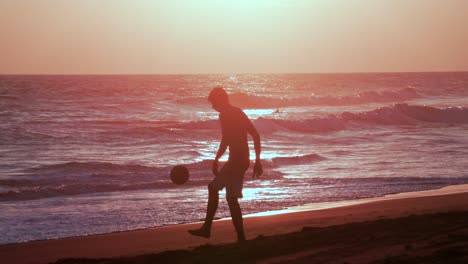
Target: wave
[(8, 97), (297, 160), (404, 114), (15, 133), (267, 125), (132, 122), (436, 115), (90, 168), (16, 183), (75, 178), (74, 170), (244, 100), (39, 192), (205, 124), (118, 132), (398, 114), (252, 101)]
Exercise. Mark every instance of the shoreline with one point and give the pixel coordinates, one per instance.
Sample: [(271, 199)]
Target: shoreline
[(146, 241), (450, 189)]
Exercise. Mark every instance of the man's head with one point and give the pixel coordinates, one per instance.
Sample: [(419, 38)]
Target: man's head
[(218, 98)]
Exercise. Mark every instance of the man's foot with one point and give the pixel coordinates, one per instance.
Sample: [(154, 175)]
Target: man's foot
[(200, 232), (241, 240)]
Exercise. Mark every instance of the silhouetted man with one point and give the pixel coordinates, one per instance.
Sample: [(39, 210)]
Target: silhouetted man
[(235, 126)]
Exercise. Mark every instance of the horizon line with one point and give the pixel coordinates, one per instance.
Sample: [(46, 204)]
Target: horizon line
[(256, 73)]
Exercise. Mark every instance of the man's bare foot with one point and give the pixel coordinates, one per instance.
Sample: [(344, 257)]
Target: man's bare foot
[(241, 240), (200, 232)]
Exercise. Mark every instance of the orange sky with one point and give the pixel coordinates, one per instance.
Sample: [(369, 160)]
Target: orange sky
[(238, 36)]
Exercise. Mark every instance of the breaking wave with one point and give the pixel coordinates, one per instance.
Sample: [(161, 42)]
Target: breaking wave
[(244, 100), (398, 114)]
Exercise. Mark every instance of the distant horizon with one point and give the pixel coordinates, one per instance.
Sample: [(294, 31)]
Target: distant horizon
[(255, 73)]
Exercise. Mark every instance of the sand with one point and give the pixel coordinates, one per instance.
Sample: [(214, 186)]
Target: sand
[(326, 232)]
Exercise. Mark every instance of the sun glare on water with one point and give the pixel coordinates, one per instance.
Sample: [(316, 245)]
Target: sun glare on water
[(256, 113)]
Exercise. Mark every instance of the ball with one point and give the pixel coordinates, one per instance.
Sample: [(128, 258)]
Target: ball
[(179, 174)]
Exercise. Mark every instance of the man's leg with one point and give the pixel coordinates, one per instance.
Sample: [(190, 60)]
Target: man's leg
[(213, 200), (236, 215)]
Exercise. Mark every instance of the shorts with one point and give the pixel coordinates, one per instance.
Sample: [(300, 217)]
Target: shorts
[(231, 177)]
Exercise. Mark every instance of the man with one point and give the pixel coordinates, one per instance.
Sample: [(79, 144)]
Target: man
[(235, 125)]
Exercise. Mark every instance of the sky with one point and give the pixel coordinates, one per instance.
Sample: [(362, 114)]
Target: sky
[(238, 36)]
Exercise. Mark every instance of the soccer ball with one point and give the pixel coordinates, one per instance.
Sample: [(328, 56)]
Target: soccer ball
[(179, 174)]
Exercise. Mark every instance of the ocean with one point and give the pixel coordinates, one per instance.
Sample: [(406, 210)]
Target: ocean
[(91, 154)]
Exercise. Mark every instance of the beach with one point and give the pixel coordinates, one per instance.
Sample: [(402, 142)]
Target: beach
[(404, 211)]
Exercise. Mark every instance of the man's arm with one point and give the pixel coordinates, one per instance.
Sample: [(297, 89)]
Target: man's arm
[(256, 138), (222, 148), (258, 170)]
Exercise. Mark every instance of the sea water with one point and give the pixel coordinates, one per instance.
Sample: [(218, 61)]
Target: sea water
[(83, 155)]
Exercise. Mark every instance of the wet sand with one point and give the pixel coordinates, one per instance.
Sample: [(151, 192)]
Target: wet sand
[(419, 227)]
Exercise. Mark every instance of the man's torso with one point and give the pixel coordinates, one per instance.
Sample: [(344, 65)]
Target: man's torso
[(234, 125)]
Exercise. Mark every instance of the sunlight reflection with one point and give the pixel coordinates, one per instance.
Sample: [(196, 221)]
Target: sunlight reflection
[(256, 113), (264, 193), (266, 155)]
